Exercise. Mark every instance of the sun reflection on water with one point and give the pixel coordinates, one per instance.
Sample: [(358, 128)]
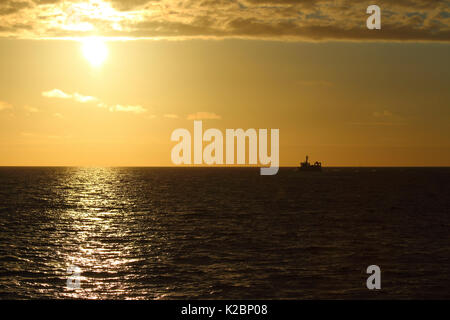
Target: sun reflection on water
[(98, 227)]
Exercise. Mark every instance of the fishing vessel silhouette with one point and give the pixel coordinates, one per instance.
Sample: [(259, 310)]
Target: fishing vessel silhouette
[(307, 167)]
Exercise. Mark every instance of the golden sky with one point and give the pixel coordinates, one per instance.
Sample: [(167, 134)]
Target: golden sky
[(104, 83)]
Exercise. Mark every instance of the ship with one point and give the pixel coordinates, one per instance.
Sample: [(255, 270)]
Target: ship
[(306, 166)]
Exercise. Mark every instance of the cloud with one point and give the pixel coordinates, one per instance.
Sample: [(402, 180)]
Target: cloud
[(171, 116), (292, 20), (8, 7), (58, 115), (133, 109), (203, 116), (56, 93), (5, 106), (83, 99), (124, 5), (59, 94)]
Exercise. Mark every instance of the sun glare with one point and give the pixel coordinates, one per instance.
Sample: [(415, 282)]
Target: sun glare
[(95, 51)]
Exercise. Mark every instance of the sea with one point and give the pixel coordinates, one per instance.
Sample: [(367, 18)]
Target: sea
[(223, 233)]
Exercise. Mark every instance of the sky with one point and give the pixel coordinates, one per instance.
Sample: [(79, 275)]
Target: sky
[(105, 83)]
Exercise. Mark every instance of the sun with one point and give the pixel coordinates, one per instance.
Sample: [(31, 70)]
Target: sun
[(95, 51)]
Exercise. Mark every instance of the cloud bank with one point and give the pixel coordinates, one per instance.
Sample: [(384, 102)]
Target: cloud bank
[(5, 106), (293, 20), (59, 94), (204, 116)]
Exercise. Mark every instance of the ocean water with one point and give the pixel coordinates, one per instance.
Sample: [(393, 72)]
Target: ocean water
[(224, 233)]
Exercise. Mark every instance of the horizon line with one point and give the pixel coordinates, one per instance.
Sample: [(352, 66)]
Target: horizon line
[(218, 166)]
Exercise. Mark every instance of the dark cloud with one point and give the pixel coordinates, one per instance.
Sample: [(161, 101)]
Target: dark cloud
[(409, 20), (9, 7), (46, 1), (125, 5)]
